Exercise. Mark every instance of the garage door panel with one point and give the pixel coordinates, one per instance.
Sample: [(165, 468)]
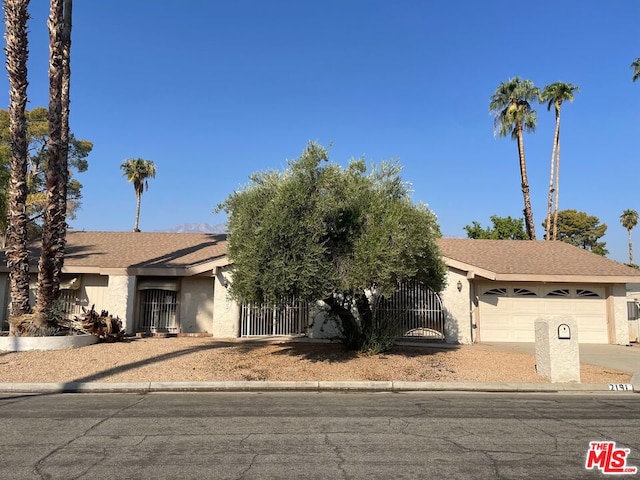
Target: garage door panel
[(511, 318)]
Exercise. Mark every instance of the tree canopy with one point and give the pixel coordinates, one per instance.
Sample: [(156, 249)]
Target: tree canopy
[(318, 231), (37, 137), (503, 228), (582, 230)]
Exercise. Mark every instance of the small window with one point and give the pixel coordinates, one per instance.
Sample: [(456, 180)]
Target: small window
[(496, 291), (587, 293), (524, 292), (632, 311), (562, 292)]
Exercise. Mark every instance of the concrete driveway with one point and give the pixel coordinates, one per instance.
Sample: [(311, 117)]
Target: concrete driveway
[(618, 357)]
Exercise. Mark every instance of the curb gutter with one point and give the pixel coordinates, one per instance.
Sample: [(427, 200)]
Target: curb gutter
[(313, 386)]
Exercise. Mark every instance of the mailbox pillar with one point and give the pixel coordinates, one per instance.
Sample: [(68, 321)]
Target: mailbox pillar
[(557, 351)]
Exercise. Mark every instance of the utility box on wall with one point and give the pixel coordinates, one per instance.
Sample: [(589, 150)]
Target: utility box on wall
[(557, 349)]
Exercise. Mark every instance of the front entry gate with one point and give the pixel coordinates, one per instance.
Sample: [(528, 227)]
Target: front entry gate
[(418, 310)]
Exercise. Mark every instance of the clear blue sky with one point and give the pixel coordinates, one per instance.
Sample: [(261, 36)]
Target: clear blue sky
[(212, 91)]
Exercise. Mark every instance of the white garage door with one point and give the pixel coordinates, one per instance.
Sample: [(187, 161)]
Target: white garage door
[(508, 313)]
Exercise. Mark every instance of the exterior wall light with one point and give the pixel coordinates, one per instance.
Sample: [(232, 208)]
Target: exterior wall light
[(459, 285)]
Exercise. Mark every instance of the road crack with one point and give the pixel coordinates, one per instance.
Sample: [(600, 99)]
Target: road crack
[(37, 468)]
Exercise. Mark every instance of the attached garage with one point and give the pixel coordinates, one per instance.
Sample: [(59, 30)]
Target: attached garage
[(507, 313), (497, 289)]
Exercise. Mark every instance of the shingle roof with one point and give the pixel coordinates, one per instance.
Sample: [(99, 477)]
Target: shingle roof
[(141, 250), (507, 258)]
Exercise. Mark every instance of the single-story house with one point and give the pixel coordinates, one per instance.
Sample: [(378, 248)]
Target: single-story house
[(502, 286), (177, 283)]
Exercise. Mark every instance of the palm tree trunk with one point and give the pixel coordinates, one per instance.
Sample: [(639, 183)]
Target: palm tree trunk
[(551, 177), (52, 215), (555, 208), (630, 248), (16, 16), (528, 213), (64, 150), (138, 198)]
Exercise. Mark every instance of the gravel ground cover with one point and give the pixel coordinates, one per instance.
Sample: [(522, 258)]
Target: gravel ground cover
[(206, 359)]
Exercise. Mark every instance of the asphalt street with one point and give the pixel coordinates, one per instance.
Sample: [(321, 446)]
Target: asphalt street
[(300, 435)]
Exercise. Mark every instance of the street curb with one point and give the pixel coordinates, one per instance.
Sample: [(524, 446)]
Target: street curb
[(311, 386)]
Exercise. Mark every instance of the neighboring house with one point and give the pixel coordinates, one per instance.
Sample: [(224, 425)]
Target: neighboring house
[(506, 284), (155, 282), (176, 283)]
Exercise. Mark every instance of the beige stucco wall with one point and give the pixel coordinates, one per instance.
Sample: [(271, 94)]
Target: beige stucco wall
[(94, 290), (457, 307), (196, 305), (226, 312), (619, 310), (121, 299)]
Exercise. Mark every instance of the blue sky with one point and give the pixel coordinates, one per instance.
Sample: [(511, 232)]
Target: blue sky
[(213, 91)]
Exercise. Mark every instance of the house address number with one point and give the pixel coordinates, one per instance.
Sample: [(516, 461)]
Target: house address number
[(621, 387)]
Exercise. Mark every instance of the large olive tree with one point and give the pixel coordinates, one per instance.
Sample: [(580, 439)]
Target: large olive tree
[(317, 231)]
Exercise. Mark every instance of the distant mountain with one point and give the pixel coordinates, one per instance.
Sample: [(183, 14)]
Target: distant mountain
[(198, 228)]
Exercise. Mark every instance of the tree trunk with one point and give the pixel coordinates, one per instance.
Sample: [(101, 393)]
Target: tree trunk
[(555, 208), (64, 151), (53, 216), (352, 335), (138, 199), (630, 247), (16, 16), (528, 213), (556, 135)]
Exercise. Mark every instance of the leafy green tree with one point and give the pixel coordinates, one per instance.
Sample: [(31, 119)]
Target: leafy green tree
[(37, 124), (629, 220), (554, 95), (636, 69), (503, 228), (582, 230), (513, 115), (317, 231), (138, 171)]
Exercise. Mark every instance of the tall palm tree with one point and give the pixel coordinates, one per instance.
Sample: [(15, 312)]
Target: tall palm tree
[(554, 95), (629, 220), (636, 69), (53, 214), (511, 106), (61, 227), (16, 50), (137, 172)]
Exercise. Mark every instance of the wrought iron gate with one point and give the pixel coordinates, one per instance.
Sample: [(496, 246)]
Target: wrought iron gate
[(418, 309), (266, 320), (158, 312)]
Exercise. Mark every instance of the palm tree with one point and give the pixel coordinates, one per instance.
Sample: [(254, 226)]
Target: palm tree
[(54, 216), (16, 50), (511, 106), (138, 171), (629, 220), (61, 233), (555, 94), (636, 69)]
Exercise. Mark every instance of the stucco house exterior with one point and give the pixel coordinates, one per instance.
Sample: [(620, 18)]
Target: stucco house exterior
[(177, 283), (497, 288), (155, 282)]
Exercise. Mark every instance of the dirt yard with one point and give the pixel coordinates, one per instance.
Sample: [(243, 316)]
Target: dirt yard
[(206, 359)]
